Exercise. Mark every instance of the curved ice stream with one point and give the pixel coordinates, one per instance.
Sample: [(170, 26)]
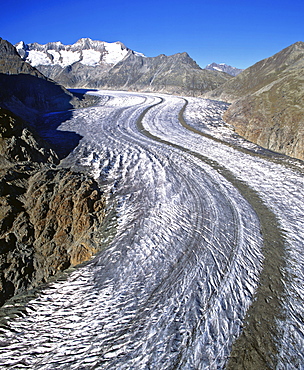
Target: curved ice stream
[(171, 289)]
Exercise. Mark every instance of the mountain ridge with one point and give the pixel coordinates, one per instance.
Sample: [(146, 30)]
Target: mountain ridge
[(96, 64), (260, 74), (268, 101), (64, 55)]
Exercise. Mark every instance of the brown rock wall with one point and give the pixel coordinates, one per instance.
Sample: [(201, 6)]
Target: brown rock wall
[(52, 225), (273, 118), (49, 218), (268, 102)]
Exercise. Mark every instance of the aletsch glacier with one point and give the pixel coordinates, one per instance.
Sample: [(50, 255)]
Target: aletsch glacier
[(172, 287)]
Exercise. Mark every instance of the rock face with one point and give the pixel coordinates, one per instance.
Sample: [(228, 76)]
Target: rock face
[(18, 143), (96, 64), (49, 217), (268, 102), (66, 209), (222, 67), (11, 63), (176, 74)]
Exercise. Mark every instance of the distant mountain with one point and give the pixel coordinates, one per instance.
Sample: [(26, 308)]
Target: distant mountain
[(222, 67), (268, 101), (97, 64), (86, 51)]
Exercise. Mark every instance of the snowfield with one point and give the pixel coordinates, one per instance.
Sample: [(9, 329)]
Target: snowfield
[(86, 51), (202, 266)]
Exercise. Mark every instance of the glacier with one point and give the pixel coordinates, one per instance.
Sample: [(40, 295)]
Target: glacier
[(202, 254)]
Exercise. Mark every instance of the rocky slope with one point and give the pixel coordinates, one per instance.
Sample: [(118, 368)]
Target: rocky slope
[(222, 67), (268, 102), (96, 64), (50, 218), (26, 91), (176, 74)]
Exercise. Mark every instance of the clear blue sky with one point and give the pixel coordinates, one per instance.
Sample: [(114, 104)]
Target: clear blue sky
[(238, 33)]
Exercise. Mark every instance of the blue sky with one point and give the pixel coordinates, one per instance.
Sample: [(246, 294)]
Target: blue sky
[(238, 33)]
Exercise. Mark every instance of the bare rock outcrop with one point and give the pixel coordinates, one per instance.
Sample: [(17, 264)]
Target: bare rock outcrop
[(18, 142), (66, 210), (50, 218)]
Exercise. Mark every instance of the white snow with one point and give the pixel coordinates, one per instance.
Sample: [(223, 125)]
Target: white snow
[(55, 55), (19, 45), (90, 57), (140, 54), (69, 57), (38, 57), (86, 51), (115, 53)]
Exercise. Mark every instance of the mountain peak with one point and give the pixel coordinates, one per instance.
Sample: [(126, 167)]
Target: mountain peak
[(223, 67), (20, 45), (85, 51), (298, 45), (84, 40), (93, 64), (87, 43)]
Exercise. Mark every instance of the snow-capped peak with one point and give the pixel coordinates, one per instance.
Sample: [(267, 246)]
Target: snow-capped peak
[(85, 51), (20, 45), (223, 67)]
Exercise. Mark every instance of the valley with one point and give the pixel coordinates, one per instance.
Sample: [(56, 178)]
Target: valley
[(202, 263)]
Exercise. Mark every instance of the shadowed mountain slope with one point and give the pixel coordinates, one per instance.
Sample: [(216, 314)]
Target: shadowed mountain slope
[(24, 90)]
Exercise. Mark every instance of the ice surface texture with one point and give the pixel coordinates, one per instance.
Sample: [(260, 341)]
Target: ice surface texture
[(172, 288)]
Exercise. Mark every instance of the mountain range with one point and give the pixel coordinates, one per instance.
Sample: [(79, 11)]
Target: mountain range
[(97, 64), (267, 98)]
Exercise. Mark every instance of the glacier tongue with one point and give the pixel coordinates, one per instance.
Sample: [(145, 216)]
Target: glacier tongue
[(172, 287)]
